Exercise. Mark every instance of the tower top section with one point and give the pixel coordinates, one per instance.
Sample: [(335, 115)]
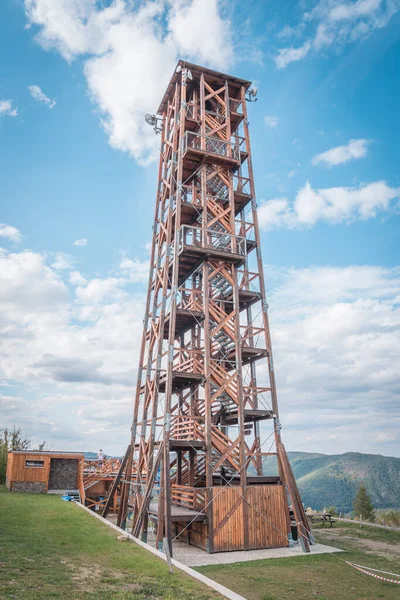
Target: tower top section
[(196, 71)]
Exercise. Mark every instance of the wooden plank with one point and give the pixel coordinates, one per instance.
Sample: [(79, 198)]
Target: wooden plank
[(229, 535), (267, 518), (116, 481)]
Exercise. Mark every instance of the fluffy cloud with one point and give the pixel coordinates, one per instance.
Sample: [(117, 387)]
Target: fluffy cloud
[(336, 335), (7, 110), (341, 154), (332, 23), (81, 242), (38, 95), (214, 45), (10, 233), (286, 56), (113, 41), (135, 269), (271, 122), (333, 205), (63, 262), (100, 290), (77, 279), (69, 361), (72, 355)]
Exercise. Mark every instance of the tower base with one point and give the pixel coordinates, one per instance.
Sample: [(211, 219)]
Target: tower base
[(260, 520)]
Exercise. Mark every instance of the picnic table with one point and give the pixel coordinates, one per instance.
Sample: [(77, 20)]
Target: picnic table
[(321, 518)]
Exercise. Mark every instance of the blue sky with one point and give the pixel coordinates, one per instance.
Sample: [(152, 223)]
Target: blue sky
[(77, 162)]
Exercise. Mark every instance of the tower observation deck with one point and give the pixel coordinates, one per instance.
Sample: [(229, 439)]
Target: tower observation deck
[(205, 412)]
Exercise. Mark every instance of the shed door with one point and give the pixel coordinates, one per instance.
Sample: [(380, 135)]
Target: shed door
[(63, 474)]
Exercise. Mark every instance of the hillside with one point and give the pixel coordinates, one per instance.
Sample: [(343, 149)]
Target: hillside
[(326, 480)]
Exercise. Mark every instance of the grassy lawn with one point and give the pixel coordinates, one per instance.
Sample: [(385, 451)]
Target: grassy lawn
[(52, 549), (320, 577)]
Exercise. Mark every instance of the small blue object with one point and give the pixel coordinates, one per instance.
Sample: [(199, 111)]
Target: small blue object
[(67, 498)]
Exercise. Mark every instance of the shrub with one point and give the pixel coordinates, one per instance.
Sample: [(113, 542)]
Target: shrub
[(388, 516)]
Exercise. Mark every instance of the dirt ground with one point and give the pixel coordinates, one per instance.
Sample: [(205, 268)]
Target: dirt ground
[(387, 550)]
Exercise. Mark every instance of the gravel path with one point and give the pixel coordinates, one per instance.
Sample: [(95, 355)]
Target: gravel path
[(195, 557)]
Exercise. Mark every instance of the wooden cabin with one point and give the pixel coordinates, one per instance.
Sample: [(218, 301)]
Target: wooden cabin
[(42, 472)]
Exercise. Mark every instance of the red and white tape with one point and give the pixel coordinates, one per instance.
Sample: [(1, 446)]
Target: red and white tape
[(373, 574)]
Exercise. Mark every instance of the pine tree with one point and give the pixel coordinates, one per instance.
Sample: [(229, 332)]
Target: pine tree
[(363, 505)]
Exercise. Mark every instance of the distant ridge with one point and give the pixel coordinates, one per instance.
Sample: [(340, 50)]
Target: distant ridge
[(333, 479), (326, 480)]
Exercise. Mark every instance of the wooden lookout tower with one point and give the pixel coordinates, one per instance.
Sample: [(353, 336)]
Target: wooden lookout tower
[(206, 412)]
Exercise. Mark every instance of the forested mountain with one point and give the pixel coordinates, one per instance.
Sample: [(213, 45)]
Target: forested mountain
[(326, 480)]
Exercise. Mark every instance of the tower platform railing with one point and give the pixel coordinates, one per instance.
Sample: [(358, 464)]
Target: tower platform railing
[(198, 237), (213, 145)]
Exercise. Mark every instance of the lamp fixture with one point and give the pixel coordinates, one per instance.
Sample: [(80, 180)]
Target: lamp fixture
[(154, 121)]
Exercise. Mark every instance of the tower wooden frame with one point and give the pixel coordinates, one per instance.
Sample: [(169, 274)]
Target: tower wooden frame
[(202, 422)]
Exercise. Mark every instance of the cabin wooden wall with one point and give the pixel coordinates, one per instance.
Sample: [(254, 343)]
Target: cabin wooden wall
[(268, 521), (228, 519), (18, 472), (267, 518)]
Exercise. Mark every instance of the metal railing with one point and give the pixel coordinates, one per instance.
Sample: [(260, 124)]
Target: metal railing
[(241, 185), (191, 195), (245, 229), (212, 145), (249, 281), (210, 239)]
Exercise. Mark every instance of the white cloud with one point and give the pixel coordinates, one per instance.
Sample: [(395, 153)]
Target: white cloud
[(27, 285), (288, 32), (336, 337), (98, 290), (6, 109), (334, 205), (63, 262), (336, 341), (341, 154), (113, 42), (214, 45), (384, 436), (77, 279), (287, 55), (335, 334), (272, 214), (38, 95), (347, 11), (336, 24), (67, 356), (9, 232), (137, 270), (271, 122), (81, 242)]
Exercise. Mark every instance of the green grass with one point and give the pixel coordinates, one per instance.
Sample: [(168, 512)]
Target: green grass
[(320, 577), (52, 549)]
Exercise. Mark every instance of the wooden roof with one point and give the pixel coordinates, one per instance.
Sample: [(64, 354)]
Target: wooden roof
[(197, 69), (52, 453)]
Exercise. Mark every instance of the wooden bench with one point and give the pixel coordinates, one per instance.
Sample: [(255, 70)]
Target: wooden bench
[(321, 518)]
